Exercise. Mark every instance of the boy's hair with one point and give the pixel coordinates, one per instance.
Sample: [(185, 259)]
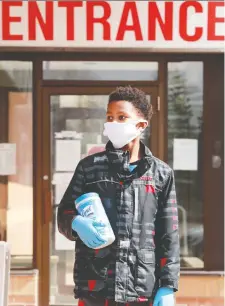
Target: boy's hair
[(136, 97)]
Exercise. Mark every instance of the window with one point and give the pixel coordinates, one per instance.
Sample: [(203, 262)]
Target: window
[(104, 71), (185, 112), (16, 160)]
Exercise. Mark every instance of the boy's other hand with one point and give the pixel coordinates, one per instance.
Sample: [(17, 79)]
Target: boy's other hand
[(164, 297)]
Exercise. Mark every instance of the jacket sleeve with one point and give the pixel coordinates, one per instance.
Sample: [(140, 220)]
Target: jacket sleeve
[(66, 209), (167, 236)]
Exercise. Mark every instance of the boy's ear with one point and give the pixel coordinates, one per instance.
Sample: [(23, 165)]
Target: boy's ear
[(143, 125)]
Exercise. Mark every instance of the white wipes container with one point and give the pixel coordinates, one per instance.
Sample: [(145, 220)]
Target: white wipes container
[(89, 205)]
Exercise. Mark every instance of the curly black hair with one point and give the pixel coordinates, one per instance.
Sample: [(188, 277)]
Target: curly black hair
[(135, 96)]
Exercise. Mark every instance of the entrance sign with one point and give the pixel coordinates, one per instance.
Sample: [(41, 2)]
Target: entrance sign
[(172, 25)]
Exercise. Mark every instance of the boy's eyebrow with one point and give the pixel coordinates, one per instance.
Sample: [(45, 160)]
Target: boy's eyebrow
[(123, 112), (119, 113)]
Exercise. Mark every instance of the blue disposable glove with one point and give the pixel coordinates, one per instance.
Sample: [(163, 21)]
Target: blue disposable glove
[(164, 297), (86, 229)]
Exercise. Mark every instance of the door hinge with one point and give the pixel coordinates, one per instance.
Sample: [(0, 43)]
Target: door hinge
[(158, 103)]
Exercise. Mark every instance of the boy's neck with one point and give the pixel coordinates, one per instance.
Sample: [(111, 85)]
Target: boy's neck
[(134, 149)]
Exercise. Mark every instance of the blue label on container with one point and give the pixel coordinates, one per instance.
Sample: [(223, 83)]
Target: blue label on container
[(88, 212), (86, 209)]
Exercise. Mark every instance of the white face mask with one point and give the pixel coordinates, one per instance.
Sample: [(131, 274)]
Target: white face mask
[(120, 134)]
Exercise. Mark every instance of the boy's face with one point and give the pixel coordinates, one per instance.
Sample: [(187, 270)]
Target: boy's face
[(124, 111)]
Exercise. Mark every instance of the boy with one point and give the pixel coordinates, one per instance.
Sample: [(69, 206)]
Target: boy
[(138, 194)]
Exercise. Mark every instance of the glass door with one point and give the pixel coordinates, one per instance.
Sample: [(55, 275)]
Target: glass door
[(72, 129)]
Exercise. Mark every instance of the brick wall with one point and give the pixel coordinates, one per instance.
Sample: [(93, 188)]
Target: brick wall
[(23, 289), (201, 290), (200, 302), (193, 291)]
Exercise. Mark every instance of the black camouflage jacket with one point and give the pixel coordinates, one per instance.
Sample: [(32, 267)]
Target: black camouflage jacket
[(142, 209)]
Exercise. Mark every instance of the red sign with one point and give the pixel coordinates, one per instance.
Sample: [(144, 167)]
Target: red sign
[(126, 23)]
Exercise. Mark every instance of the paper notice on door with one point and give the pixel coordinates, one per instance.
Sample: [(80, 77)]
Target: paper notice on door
[(68, 154), (61, 182), (185, 154), (61, 242), (7, 158)]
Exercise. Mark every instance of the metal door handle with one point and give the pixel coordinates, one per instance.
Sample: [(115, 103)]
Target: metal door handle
[(216, 157)]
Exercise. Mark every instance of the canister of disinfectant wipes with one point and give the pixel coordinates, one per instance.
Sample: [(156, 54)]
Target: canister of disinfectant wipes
[(89, 205)]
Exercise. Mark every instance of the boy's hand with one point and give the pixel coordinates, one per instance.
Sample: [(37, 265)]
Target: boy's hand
[(164, 297), (86, 230)]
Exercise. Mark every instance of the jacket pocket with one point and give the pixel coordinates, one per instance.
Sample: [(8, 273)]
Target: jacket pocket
[(98, 266), (145, 272)]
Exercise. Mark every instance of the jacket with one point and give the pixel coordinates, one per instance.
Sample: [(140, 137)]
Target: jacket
[(142, 209)]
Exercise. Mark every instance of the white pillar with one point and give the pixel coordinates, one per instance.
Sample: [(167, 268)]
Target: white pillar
[(4, 272)]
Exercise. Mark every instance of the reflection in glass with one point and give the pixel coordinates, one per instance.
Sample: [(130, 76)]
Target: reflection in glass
[(106, 71), (16, 190), (185, 111)]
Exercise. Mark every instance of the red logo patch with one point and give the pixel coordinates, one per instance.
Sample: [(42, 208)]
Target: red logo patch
[(91, 284), (150, 189), (68, 212), (142, 299), (110, 272), (163, 262), (175, 227), (146, 178)]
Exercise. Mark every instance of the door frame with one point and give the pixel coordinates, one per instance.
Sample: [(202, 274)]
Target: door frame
[(45, 166)]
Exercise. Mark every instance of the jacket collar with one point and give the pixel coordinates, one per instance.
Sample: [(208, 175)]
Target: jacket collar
[(119, 162)]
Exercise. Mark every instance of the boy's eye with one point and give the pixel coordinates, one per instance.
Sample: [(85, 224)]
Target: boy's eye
[(122, 118), (109, 118)]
